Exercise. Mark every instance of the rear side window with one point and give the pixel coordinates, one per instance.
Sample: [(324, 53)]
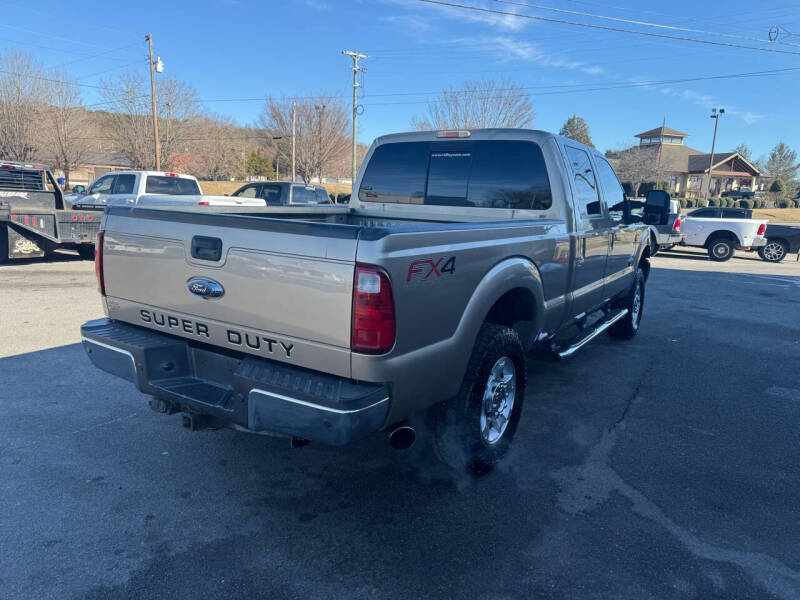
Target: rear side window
[(303, 195), (584, 183), (322, 196), (124, 184), (484, 173), (732, 213), (177, 186)]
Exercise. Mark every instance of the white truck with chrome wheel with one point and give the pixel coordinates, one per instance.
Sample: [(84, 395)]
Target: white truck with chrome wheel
[(722, 231)]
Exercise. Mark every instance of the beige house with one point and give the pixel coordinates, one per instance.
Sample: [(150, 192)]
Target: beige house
[(686, 170)]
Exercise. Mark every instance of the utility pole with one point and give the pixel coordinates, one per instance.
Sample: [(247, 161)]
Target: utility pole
[(294, 143), (356, 68), (157, 145), (714, 115), (320, 108)]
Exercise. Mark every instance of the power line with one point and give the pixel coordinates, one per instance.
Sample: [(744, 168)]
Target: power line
[(579, 87), (636, 22), (608, 27)]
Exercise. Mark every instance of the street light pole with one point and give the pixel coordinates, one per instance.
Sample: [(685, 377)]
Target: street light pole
[(714, 115), (157, 144), (320, 108)]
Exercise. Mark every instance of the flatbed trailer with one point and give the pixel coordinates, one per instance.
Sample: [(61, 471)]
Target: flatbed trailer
[(33, 217)]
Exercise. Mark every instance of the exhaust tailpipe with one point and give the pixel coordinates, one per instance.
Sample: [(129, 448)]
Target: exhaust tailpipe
[(402, 437)]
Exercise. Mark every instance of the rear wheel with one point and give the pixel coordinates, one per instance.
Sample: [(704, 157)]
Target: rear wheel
[(474, 430), (774, 251), (721, 249)]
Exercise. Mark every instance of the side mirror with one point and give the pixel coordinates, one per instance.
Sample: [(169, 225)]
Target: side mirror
[(656, 208)]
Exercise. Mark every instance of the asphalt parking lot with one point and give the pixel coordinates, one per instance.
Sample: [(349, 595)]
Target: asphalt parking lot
[(665, 467)]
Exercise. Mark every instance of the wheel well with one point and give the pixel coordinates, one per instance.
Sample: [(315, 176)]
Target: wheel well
[(721, 234), (512, 307)]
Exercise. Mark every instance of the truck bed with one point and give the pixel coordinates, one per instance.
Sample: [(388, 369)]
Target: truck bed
[(288, 273)]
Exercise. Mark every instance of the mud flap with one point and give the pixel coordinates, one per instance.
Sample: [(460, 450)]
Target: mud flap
[(22, 244)]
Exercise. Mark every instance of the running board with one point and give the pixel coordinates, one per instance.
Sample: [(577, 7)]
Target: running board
[(596, 330)]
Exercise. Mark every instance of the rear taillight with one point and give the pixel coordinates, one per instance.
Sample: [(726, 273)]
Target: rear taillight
[(203, 203), (677, 225), (373, 328), (762, 229), (98, 262)]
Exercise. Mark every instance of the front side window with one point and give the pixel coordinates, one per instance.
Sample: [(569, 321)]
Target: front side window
[(703, 213), (102, 185), (483, 174), (584, 183), (175, 186), (248, 192), (614, 194)]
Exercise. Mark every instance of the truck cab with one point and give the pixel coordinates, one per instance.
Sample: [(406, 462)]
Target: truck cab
[(126, 187)]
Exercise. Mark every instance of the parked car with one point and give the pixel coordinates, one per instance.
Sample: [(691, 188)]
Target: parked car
[(459, 250), (126, 187), (284, 193), (781, 240), (742, 192), (34, 218), (723, 230)]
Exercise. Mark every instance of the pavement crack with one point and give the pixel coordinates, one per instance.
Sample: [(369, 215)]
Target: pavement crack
[(584, 488)]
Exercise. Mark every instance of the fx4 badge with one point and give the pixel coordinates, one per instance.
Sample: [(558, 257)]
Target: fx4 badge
[(423, 269)]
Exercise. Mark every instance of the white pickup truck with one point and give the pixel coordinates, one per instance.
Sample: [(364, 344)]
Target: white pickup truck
[(723, 230), (152, 188)]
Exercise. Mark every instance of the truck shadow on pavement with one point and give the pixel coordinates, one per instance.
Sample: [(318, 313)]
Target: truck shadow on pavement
[(638, 471)]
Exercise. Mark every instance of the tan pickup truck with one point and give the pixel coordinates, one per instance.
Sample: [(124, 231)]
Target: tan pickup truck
[(459, 250)]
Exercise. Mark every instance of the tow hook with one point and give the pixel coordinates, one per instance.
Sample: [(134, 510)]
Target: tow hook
[(194, 422)]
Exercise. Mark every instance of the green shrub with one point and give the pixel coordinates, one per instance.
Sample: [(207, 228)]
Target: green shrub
[(682, 202), (745, 203), (712, 202)]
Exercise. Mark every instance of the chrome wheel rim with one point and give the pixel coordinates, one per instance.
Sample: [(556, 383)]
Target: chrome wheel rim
[(721, 250), (498, 400), (773, 251), (636, 307)]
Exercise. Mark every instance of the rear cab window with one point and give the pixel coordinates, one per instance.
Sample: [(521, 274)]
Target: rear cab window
[(508, 174), (176, 186)]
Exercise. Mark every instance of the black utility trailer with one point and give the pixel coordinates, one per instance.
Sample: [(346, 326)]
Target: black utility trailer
[(34, 220)]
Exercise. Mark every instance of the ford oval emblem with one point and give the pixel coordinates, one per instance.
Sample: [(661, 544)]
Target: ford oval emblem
[(205, 287)]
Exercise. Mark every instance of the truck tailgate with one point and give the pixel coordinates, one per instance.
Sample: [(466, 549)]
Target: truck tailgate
[(287, 284)]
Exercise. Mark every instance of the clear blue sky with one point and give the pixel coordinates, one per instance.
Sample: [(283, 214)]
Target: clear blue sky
[(248, 49)]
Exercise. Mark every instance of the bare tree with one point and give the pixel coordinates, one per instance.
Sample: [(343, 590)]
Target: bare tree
[(635, 165), (478, 104), (21, 100), (130, 117), (321, 132), (67, 131), (221, 144)]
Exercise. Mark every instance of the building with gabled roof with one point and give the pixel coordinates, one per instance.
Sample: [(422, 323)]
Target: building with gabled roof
[(686, 169)]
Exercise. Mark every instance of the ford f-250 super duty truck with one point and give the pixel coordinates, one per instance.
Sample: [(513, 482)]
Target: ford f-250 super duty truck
[(458, 251)]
